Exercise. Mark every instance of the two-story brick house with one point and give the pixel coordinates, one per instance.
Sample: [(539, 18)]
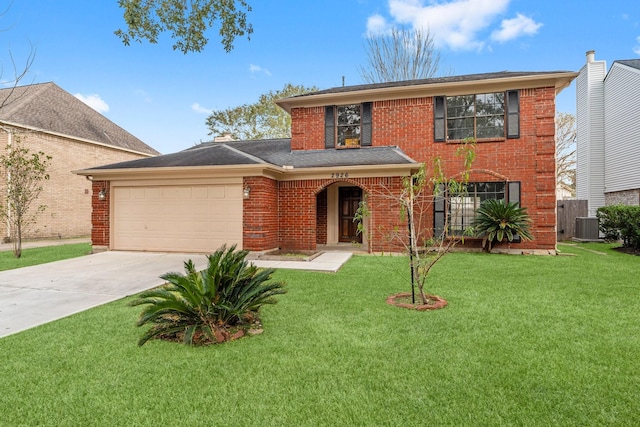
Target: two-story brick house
[(347, 143)]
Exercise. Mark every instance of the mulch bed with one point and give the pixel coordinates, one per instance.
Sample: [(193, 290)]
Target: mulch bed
[(629, 251), (403, 300)]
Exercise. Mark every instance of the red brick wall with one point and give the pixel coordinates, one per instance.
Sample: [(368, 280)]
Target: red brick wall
[(321, 218), (298, 219), (100, 214), (260, 214), (408, 124), (298, 214), (307, 128)]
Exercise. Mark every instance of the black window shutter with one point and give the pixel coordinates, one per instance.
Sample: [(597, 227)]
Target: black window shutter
[(365, 137), (329, 127), (513, 114), (513, 195), (439, 210), (438, 119)]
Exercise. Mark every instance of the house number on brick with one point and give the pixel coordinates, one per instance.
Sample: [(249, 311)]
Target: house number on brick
[(340, 175)]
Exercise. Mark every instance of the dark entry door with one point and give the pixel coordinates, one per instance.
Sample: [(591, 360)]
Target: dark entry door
[(349, 200)]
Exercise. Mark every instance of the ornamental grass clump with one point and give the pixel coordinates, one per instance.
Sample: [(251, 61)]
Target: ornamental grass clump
[(496, 220), (217, 304)]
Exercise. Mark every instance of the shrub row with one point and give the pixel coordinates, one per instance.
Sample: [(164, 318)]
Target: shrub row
[(619, 222)]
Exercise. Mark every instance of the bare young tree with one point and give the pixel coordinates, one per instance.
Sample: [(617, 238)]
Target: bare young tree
[(401, 54), (425, 245), (566, 150), (23, 172)]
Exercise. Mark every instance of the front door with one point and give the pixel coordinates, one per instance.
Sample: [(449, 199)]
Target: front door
[(349, 201)]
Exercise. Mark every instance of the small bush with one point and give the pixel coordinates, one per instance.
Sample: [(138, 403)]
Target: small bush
[(619, 222), (209, 306)]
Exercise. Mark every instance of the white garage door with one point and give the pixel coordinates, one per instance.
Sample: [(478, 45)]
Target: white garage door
[(189, 218)]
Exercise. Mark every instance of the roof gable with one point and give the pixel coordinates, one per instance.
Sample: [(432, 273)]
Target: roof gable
[(633, 63), (48, 108)]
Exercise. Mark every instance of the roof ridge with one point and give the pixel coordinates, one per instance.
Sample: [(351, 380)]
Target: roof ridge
[(402, 153), (46, 107), (247, 155)]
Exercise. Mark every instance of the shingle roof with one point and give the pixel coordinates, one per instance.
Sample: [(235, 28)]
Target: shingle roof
[(635, 63), (435, 80), (48, 108), (276, 152)]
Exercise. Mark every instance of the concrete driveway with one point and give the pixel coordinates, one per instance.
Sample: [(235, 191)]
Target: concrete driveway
[(31, 296)]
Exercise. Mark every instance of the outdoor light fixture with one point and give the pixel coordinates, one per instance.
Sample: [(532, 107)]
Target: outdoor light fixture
[(246, 191), (102, 195)]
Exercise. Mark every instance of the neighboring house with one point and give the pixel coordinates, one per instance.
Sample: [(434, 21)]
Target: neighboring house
[(564, 192), (43, 117), (347, 143), (608, 139)]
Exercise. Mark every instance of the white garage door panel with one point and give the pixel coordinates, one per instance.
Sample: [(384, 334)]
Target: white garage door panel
[(190, 218)]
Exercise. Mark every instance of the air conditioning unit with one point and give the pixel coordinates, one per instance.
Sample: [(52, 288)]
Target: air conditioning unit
[(587, 228)]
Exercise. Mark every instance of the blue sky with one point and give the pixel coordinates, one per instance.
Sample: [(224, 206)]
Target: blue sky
[(163, 97)]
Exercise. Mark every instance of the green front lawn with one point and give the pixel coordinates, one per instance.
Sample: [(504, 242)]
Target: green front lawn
[(525, 340), (35, 256)]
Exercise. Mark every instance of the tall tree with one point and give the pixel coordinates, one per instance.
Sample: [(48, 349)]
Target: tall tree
[(186, 21), (263, 119), (566, 150), (23, 172), (400, 54)]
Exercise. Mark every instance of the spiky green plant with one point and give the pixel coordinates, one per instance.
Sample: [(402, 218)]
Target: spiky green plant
[(204, 307), (497, 219)]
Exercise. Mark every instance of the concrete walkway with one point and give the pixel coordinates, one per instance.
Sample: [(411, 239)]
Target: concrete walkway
[(35, 295)]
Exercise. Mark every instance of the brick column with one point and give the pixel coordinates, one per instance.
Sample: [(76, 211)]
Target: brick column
[(100, 215)]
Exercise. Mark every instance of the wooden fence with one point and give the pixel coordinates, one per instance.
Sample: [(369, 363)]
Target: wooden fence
[(568, 211)]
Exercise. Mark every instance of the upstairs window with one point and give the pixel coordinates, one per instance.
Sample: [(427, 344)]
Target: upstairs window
[(348, 126), (485, 116)]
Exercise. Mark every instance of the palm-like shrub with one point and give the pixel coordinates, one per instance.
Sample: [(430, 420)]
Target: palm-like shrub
[(208, 306), (497, 219)]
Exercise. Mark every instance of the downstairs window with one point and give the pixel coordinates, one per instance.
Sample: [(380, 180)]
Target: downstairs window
[(459, 210)]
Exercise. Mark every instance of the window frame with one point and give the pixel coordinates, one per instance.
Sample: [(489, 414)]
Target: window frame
[(510, 117), (463, 219), (332, 126), (352, 142), (442, 204)]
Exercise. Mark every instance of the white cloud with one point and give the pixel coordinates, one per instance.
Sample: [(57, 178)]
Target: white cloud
[(94, 101), (376, 24), (516, 27), (457, 24), (258, 69), (636, 49), (200, 109)]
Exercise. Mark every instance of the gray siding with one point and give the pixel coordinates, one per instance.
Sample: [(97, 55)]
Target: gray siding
[(582, 140), (590, 136), (622, 128)]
